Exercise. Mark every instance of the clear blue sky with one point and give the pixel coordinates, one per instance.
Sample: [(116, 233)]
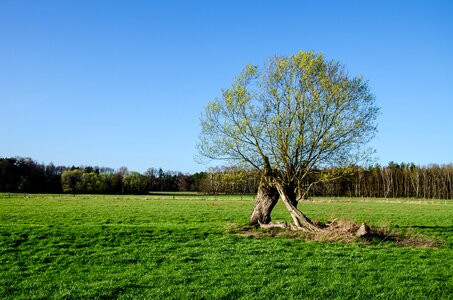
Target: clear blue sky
[(123, 83)]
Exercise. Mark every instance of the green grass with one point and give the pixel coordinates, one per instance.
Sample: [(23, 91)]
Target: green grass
[(129, 247)]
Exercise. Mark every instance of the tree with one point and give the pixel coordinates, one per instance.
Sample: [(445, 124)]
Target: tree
[(70, 181), (294, 116), (135, 183)]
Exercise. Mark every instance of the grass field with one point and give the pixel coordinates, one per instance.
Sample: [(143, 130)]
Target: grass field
[(184, 246)]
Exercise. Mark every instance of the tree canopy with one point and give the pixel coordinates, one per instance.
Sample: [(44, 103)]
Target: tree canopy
[(294, 115)]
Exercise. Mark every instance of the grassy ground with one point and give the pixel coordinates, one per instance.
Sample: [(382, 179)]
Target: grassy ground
[(154, 247)]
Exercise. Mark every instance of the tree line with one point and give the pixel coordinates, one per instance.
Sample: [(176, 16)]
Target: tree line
[(392, 181), (25, 175)]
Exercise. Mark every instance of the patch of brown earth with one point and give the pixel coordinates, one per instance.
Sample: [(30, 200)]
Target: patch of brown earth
[(342, 231)]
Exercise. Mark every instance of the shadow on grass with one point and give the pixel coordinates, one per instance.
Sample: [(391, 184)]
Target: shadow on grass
[(444, 228)]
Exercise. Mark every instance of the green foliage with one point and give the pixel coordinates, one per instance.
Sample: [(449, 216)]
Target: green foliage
[(296, 114), (135, 183), (27, 176), (64, 246), (71, 181)]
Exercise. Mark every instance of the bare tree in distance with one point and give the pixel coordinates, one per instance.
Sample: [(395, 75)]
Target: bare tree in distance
[(288, 119)]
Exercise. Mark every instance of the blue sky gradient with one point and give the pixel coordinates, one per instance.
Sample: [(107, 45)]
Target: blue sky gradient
[(123, 83)]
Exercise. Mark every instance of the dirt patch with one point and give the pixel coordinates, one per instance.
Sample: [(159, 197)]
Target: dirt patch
[(343, 231)]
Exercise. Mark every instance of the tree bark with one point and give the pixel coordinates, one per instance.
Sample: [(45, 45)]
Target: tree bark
[(301, 222), (266, 198)]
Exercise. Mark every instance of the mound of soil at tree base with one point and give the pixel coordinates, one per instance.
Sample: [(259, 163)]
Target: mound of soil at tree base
[(339, 231)]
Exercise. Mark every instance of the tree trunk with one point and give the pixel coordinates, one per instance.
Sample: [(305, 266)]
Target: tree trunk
[(266, 198), (301, 222)]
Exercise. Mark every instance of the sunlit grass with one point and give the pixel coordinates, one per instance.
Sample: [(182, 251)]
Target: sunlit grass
[(64, 246)]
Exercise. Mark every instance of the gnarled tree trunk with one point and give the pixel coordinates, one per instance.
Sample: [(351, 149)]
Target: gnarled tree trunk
[(266, 198), (301, 222), (269, 191)]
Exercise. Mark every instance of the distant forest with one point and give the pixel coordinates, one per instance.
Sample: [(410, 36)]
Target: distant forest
[(25, 175)]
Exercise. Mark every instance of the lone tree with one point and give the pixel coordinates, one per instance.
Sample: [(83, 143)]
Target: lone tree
[(289, 119)]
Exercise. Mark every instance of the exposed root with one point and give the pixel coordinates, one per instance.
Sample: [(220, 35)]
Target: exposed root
[(273, 225), (294, 227)]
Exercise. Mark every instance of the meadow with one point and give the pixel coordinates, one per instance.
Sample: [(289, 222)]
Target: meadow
[(188, 246)]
